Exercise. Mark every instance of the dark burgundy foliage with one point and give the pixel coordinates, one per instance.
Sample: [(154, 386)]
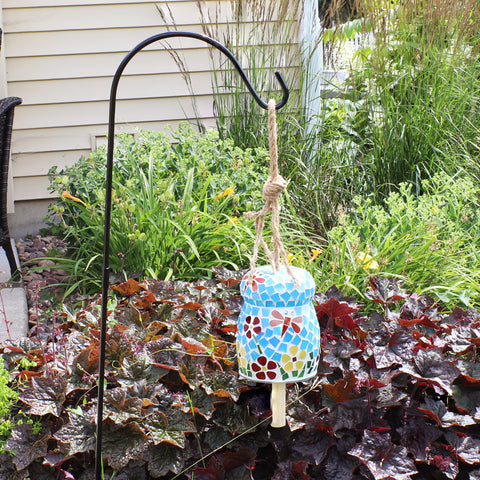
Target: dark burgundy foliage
[(397, 395)]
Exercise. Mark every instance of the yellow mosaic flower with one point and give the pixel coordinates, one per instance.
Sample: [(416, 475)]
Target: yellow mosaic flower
[(294, 361), (242, 361)]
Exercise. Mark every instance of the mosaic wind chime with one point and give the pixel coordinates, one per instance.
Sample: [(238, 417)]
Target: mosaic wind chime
[(278, 338)]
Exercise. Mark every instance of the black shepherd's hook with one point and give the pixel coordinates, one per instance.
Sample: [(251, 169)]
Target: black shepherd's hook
[(108, 198)]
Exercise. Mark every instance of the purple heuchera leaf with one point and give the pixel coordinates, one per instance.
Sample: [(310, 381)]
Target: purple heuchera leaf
[(474, 475), (418, 307), (392, 349), (467, 400), (383, 458), (122, 444), (133, 471), (444, 459), (165, 352), (431, 366), (46, 395), (351, 414), (164, 458), (459, 339), (200, 403), (220, 384), (120, 406), (385, 291), (340, 353), (223, 465), (389, 396), (313, 446), (467, 448), (470, 372), (27, 445), (438, 412), (170, 427), (417, 435), (291, 470), (78, 435), (339, 467), (376, 376), (8, 470)]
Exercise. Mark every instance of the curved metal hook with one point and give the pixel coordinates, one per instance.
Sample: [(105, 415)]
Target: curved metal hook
[(108, 196), (219, 46)]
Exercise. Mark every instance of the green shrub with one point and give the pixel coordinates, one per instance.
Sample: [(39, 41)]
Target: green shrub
[(177, 207), (7, 398), (430, 241), (416, 91)]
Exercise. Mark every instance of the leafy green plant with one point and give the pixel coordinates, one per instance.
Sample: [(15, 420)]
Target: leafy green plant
[(264, 36), (8, 397), (429, 241), (177, 207)]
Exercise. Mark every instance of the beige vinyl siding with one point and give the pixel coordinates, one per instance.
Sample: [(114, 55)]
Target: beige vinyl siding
[(60, 58), (63, 3), (3, 94)]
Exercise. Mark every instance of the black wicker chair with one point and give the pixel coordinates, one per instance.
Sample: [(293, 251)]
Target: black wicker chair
[(7, 106)]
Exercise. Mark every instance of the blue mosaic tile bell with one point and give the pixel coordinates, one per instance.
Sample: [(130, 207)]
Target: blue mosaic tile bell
[(278, 337)]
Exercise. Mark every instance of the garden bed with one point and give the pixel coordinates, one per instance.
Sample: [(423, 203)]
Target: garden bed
[(396, 393)]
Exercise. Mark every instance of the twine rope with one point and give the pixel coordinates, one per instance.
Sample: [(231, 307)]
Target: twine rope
[(272, 189)]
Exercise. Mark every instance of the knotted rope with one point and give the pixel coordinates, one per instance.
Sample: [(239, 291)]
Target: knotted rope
[(273, 188)]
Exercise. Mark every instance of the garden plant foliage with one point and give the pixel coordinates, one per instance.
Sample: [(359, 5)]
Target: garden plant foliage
[(8, 398), (177, 207), (396, 395), (429, 241), (413, 89)]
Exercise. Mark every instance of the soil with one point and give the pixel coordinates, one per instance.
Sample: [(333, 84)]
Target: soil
[(42, 279)]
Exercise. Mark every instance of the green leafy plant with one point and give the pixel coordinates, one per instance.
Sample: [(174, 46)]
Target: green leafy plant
[(177, 207), (429, 241), (264, 36), (8, 398)]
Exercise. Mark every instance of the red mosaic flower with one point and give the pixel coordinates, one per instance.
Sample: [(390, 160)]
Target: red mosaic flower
[(252, 325), (264, 368)]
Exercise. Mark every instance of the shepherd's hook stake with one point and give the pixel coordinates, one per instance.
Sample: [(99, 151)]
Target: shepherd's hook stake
[(108, 198)]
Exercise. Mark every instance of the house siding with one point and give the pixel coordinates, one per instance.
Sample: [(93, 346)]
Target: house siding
[(60, 57)]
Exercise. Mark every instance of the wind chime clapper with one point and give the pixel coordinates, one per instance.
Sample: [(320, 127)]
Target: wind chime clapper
[(278, 339)]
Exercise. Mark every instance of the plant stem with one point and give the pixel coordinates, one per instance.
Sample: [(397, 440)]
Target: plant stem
[(4, 313)]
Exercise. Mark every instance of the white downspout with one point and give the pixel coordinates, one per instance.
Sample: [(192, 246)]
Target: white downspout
[(313, 58)]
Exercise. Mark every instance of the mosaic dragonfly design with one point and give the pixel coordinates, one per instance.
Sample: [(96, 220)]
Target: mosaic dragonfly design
[(286, 322)]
